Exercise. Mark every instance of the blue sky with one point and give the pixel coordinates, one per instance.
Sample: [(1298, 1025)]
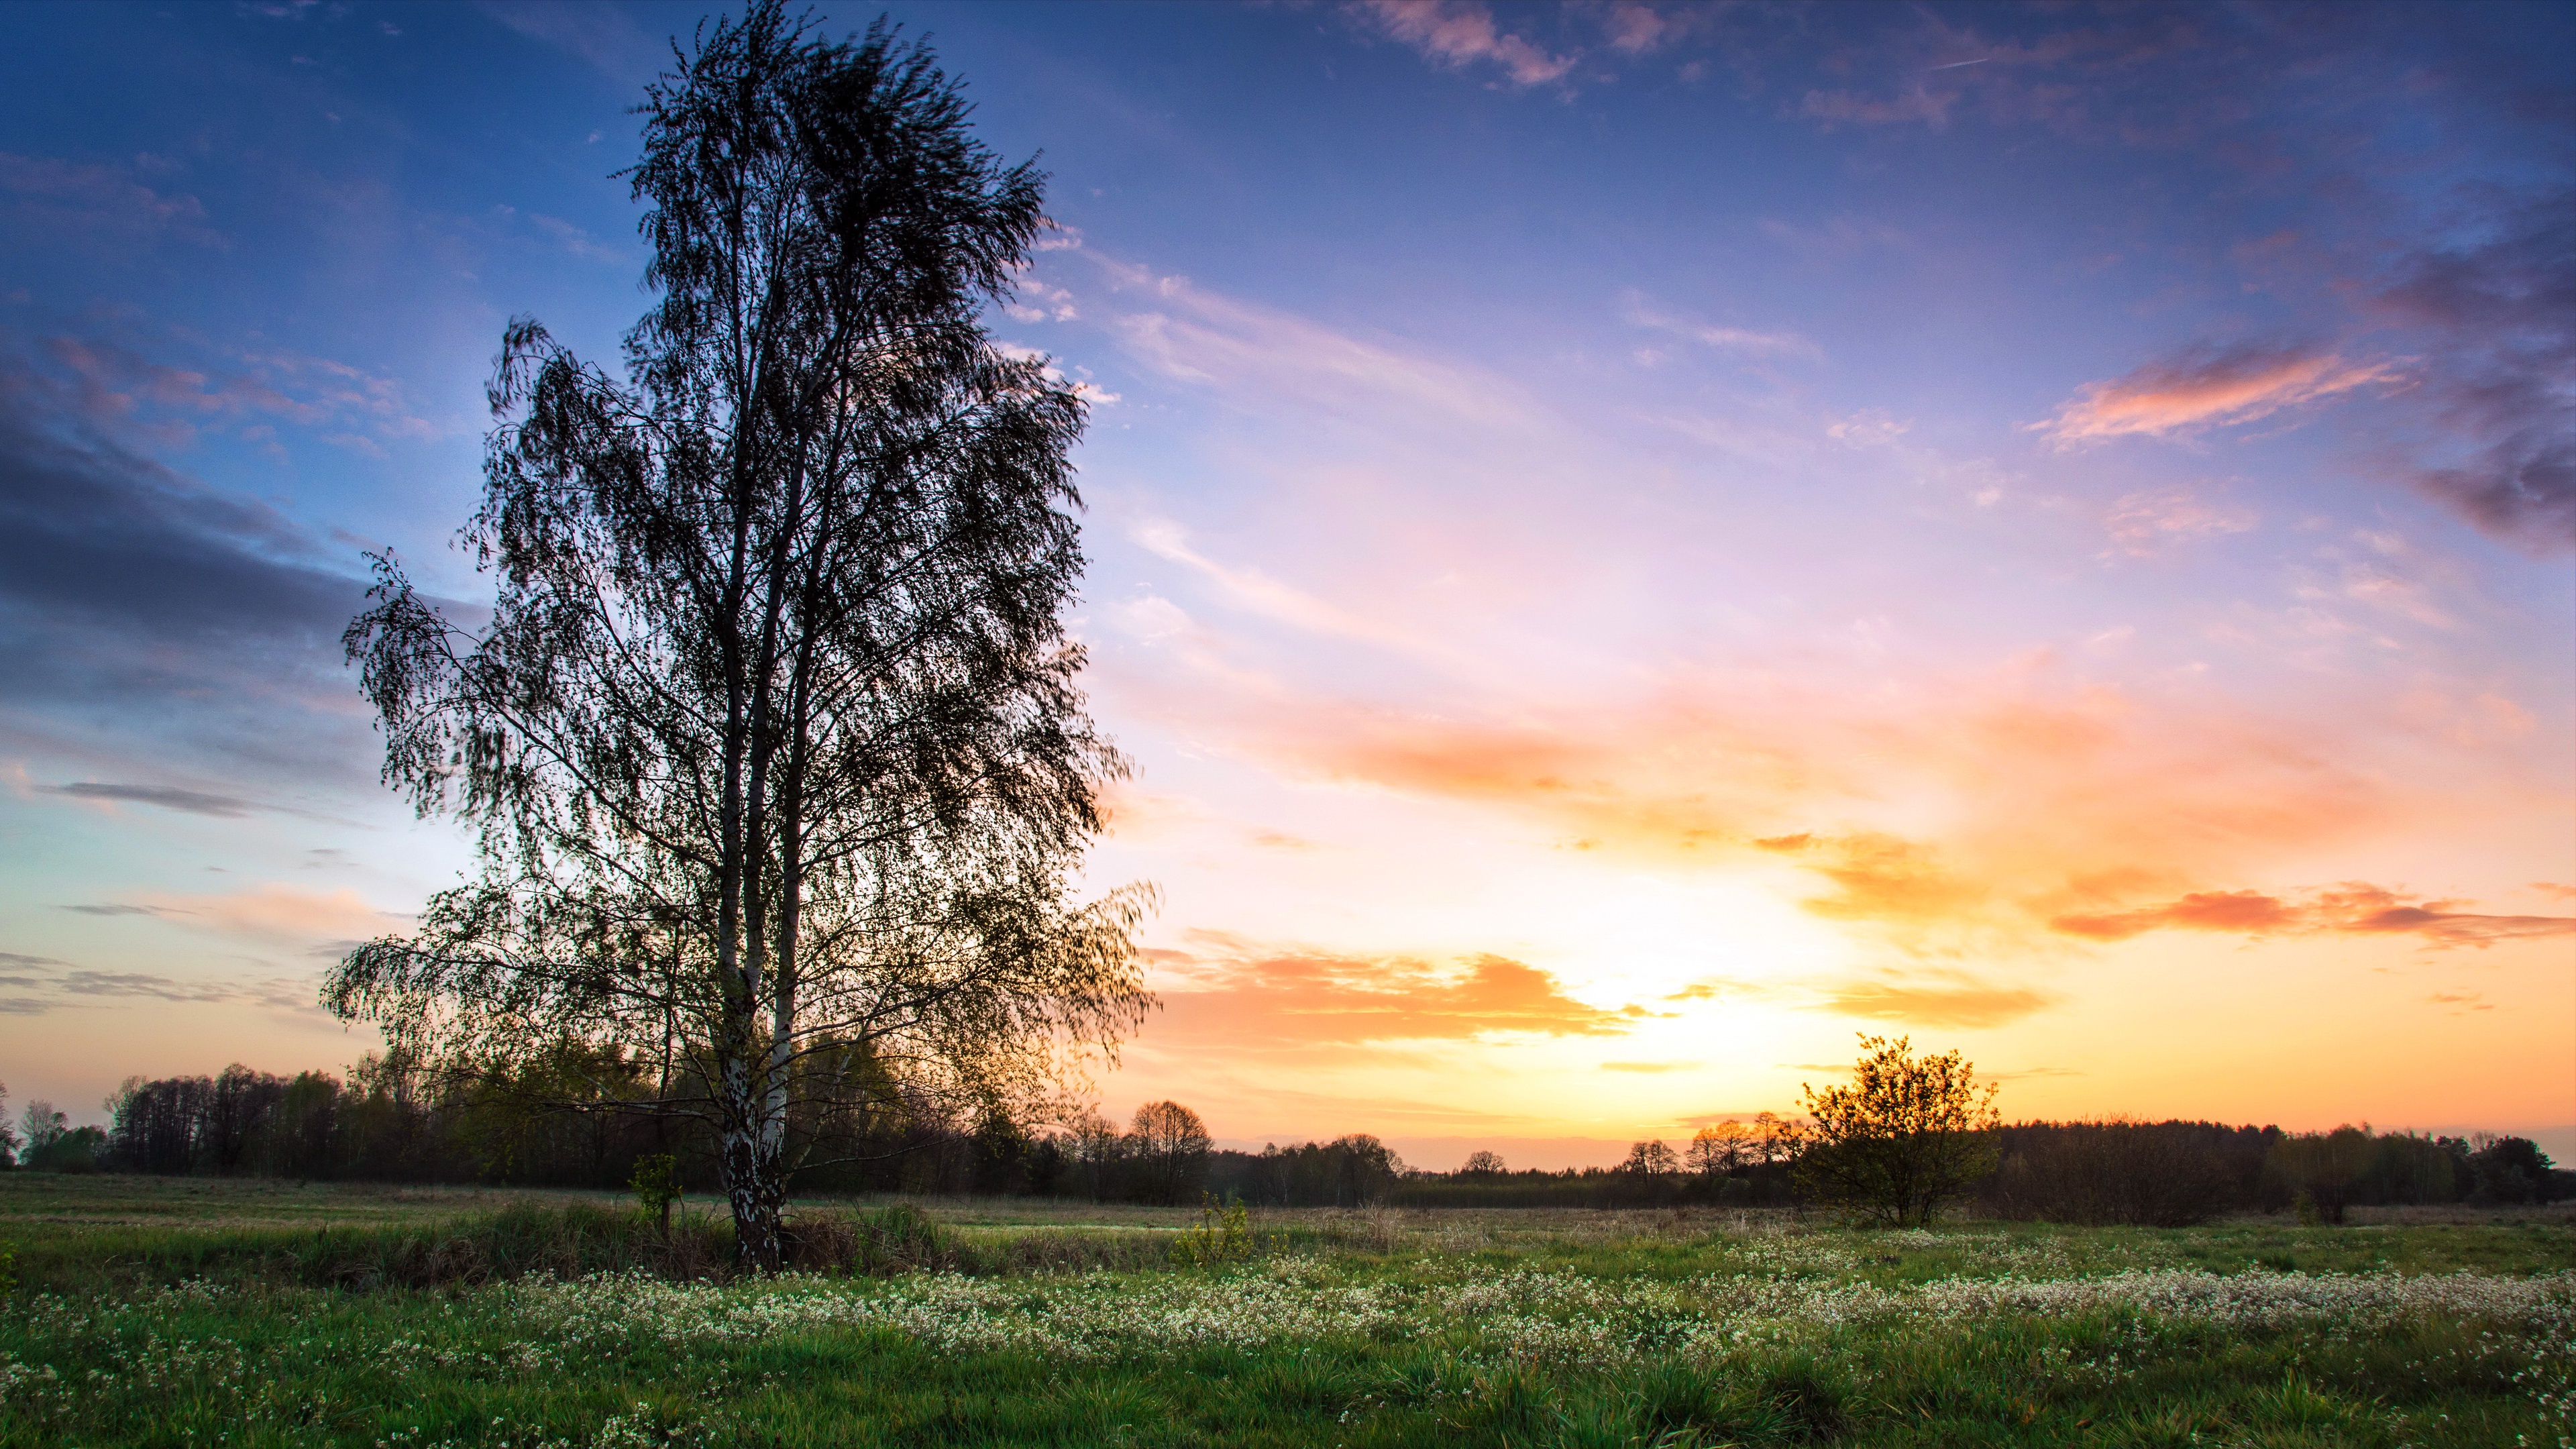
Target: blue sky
[(1629, 541)]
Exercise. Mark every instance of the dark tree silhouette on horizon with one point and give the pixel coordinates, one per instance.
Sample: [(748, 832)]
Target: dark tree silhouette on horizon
[(772, 738), (1172, 1146), (1908, 1136)]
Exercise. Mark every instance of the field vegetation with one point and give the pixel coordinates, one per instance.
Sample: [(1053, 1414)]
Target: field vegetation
[(190, 1311)]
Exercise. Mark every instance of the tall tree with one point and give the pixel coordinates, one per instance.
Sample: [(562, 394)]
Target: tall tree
[(772, 737), (1171, 1149)]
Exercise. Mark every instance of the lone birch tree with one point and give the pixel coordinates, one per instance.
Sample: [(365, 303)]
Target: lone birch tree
[(772, 737)]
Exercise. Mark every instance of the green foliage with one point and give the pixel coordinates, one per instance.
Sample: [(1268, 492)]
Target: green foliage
[(1223, 1235), (1170, 1360), (2149, 1174), (1909, 1135), (656, 1185), (8, 1269), (896, 1239), (2323, 1169), (804, 730), (52, 1144)]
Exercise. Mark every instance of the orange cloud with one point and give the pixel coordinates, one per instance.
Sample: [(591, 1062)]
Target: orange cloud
[(2208, 390), (281, 913), (1956, 1005), (1289, 1000), (1882, 878), (2014, 791), (2355, 908)]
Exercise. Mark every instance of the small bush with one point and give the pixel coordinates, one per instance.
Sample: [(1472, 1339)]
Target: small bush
[(656, 1185), (902, 1239), (1223, 1235)]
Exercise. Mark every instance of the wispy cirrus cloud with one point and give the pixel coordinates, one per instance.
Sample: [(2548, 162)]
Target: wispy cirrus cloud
[(1245, 994), (271, 912), (115, 387), (2354, 908), (1936, 820), (2103, 75), (77, 988), (280, 913), (1461, 33), (167, 797), (2142, 523), (1193, 335), (63, 199), (1726, 339), (605, 35), (1253, 590), (1959, 1002), (1912, 995), (2207, 389)]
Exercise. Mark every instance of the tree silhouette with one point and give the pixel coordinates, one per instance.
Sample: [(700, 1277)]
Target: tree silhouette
[(1172, 1147), (1908, 1135), (772, 737)]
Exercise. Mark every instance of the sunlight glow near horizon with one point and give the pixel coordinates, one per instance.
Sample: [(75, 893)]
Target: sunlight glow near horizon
[(1612, 583)]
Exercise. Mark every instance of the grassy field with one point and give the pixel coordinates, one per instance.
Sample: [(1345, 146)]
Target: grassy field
[(192, 1312)]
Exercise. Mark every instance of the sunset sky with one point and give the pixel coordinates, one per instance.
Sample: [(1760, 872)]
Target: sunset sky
[(1629, 542)]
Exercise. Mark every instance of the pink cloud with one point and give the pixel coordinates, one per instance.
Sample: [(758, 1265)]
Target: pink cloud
[(111, 384), (280, 913), (1211, 340), (1972, 811), (1462, 32), (1637, 27), (100, 197), (1726, 339), (2139, 522), (2355, 908), (2208, 390)]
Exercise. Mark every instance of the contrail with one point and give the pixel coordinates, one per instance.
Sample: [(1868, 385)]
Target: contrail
[(1954, 65)]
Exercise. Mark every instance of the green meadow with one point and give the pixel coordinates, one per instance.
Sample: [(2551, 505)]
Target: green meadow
[(197, 1312)]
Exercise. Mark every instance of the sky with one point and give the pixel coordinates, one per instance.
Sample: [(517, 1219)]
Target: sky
[(1630, 544)]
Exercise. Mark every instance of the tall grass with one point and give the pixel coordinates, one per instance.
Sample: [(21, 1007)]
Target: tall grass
[(560, 1240), (581, 1325)]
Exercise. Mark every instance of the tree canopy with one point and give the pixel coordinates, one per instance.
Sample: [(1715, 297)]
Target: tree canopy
[(772, 737), (1907, 1136)]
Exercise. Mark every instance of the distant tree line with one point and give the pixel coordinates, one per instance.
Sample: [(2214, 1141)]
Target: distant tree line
[(392, 1121), (2175, 1173)]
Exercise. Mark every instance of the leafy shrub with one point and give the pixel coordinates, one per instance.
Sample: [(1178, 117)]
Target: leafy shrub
[(1223, 1235), (656, 1185)]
